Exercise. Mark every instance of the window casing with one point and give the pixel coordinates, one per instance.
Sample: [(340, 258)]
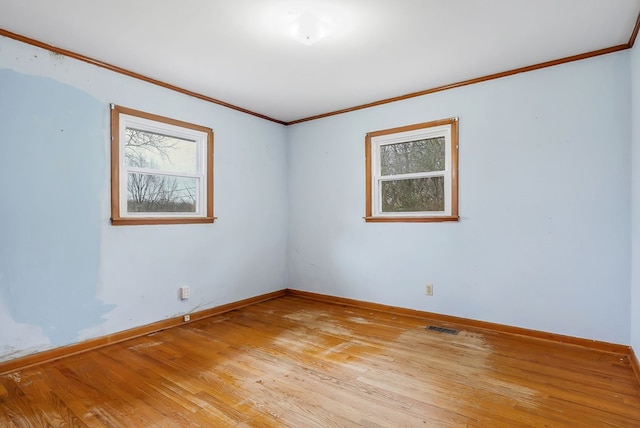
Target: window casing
[(161, 170), (412, 173)]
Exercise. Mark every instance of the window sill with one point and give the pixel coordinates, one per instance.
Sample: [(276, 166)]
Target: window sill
[(120, 221), (411, 219)]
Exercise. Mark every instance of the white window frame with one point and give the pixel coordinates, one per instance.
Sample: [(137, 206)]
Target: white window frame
[(446, 128), (123, 119)]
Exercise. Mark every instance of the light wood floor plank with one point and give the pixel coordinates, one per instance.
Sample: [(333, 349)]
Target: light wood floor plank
[(294, 362)]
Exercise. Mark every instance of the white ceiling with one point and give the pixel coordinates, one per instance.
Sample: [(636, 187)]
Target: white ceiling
[(235, 52)]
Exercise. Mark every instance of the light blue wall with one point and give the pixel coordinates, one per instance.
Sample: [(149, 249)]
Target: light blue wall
[(545, 198), (543, 242), (66, 274), (635, 199)]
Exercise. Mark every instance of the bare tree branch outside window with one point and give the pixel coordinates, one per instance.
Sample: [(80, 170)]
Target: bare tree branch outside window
[(413, 194), (155, 192)]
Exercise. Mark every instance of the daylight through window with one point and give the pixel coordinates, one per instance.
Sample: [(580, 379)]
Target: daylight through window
[(162, 170), (412, 173)]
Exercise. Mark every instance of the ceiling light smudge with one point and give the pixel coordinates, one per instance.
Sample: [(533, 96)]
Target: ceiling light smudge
[(309, 27), (308, 22)]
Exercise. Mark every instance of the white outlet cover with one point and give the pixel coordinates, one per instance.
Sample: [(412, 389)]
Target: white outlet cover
[(185, 292)]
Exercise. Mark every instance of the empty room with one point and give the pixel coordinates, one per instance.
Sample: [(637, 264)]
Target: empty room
[(330, 213)]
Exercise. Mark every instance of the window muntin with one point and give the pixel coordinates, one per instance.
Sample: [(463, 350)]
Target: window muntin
[(412, 173), (162, 170)]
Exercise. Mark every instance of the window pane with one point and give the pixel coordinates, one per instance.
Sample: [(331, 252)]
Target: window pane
[(413, 156), (148, 150), (413, 195), (161, 193)]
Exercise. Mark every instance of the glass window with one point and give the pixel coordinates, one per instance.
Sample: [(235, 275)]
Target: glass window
[(412, 173), (162, 170)]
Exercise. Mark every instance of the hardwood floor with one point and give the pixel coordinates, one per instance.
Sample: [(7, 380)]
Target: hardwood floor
[(293, 362)]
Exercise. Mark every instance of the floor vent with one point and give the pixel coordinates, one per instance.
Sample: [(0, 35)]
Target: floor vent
[(442, 329)]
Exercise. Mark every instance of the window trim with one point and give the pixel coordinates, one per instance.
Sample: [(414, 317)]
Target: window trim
[(452, 169), (117, 166)]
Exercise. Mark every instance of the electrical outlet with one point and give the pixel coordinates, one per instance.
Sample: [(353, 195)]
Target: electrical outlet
[(187, 318), (185, 292), (428, 290)]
